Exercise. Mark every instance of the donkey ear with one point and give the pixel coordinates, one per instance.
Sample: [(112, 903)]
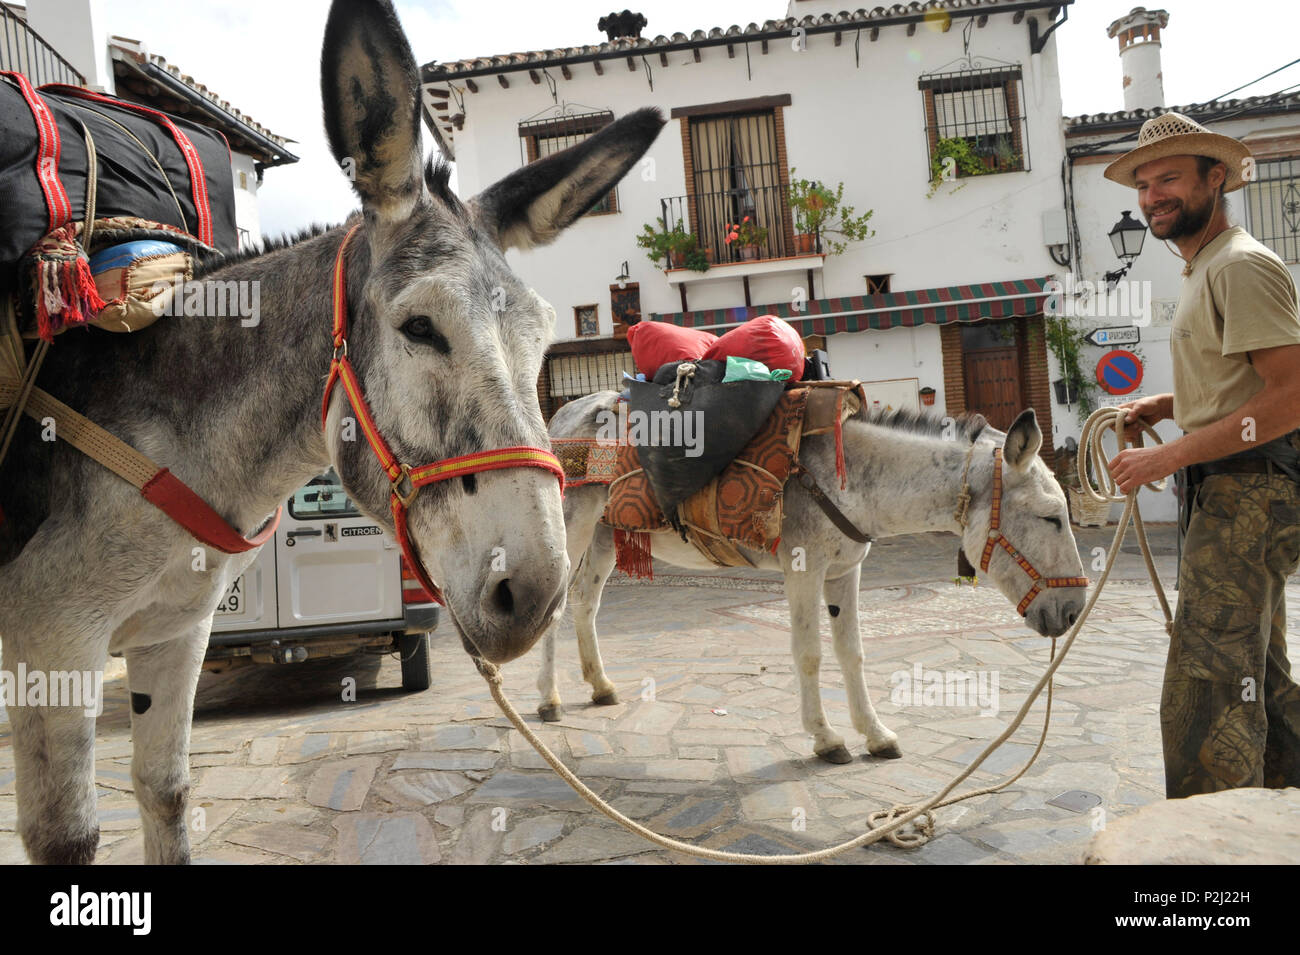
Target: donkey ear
[(532, 205), (370, 90), (1023, 440)]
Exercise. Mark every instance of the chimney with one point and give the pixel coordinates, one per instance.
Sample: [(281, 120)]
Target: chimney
[(625, 24), (75, 28), (1139, 55)]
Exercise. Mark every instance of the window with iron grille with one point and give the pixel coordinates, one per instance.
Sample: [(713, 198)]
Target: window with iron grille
[(565, 377), (737, 174), (976, 116), (559, 129), (735, 166), (1272, 206)]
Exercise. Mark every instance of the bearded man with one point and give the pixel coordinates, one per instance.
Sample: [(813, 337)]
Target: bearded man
[(1229, 710)]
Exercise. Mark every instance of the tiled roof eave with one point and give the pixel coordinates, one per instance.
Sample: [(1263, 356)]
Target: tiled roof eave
[(1129, 119), (156, 69), (771, 30)]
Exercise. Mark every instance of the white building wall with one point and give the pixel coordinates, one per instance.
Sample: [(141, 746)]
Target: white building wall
[(247, 217), (863, 125)]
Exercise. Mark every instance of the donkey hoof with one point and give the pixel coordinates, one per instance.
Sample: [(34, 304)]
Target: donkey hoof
[(606, 699), (836, 754), (550, 712), (890, 750)]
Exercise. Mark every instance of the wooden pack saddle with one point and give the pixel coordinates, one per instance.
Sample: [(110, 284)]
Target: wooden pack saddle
[(741, 507)]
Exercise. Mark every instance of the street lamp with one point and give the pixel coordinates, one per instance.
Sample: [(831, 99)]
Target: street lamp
[(1126, 236)]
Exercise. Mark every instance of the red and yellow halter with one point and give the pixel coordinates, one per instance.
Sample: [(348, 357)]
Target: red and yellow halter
[(996, 537), (405, 480)]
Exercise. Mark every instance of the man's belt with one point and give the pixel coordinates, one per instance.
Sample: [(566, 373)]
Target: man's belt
[(1251, 465)]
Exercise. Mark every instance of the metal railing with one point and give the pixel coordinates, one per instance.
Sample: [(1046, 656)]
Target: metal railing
[(708, 214), (24, 51), (1272, 201)]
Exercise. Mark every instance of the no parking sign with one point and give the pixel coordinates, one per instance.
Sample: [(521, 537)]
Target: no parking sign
[(1119, 371)]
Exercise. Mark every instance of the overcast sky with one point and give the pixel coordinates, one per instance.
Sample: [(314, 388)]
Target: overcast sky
[(264, 57)]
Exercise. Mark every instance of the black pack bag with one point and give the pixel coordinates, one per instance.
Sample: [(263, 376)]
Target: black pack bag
[(145, 167), (723, 419), (817, 366)]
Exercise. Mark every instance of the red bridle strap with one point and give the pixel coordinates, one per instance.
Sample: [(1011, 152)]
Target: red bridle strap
[(405, 481), (996, 537)]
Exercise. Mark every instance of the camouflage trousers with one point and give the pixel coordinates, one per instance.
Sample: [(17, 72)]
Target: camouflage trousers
[(1230, 710)]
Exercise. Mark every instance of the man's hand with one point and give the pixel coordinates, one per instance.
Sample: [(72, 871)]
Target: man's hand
[(1133, 467), (1150, 409)]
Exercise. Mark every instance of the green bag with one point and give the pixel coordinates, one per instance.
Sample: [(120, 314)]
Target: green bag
[(746, 369)]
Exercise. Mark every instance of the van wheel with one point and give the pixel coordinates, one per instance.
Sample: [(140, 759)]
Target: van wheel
[(417, 671)]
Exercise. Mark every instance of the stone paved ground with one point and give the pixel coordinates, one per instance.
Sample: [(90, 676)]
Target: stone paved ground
[(706, 744)]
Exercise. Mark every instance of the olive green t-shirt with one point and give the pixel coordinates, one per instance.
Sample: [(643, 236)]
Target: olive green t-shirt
[(1238, 298)]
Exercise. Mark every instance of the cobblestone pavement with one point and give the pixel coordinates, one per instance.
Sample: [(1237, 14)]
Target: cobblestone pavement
[(706, 745)]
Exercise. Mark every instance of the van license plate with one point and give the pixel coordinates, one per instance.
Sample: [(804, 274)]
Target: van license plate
[(233, 601)]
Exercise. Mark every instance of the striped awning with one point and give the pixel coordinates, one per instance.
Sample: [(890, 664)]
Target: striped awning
[(858, 313)]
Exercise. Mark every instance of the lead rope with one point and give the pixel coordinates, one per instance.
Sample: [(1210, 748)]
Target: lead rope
[(886, 823)]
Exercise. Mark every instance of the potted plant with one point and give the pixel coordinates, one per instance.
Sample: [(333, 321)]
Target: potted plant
[(1007, 158), (965, 161), (671, 246), (681, 244), (1064, 339), (927, 395), (749, 234), (819, 213), (697, 260), (655, 242)]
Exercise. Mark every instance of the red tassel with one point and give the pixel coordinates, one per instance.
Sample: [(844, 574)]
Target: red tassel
[(632, 554), (65, 295), (87, 291)]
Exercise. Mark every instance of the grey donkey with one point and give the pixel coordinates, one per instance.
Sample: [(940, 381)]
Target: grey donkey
[(906, 474), (447, 343)]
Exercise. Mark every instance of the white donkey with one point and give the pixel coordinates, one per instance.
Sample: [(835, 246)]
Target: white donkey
[(446, 343), (906, 474)]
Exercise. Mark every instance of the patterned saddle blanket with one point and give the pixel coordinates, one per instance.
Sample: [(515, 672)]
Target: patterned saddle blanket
[(741, 507)]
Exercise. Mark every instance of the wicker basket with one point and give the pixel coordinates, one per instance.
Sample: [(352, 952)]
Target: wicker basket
[(1085, 511)]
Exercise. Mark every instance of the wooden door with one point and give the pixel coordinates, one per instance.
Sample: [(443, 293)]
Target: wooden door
[(991, 360)]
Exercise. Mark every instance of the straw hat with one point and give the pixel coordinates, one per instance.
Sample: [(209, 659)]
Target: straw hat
[(1173, 134)]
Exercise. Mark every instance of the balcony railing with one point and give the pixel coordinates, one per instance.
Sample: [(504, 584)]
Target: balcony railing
[(707, 215), (22, 50)]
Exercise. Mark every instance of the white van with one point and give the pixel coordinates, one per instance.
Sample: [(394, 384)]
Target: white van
[(332, 582)]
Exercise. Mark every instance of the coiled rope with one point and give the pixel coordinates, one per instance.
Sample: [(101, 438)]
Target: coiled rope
[(887, 823)]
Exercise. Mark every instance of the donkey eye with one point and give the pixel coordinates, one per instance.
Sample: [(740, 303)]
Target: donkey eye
[(1054, 521), (419, 328)]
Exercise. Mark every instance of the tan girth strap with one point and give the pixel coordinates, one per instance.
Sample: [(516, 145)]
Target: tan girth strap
[(83, 434)]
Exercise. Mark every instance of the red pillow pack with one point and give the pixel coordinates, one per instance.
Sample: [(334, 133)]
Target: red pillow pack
[(659, 343), (767, 338)]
